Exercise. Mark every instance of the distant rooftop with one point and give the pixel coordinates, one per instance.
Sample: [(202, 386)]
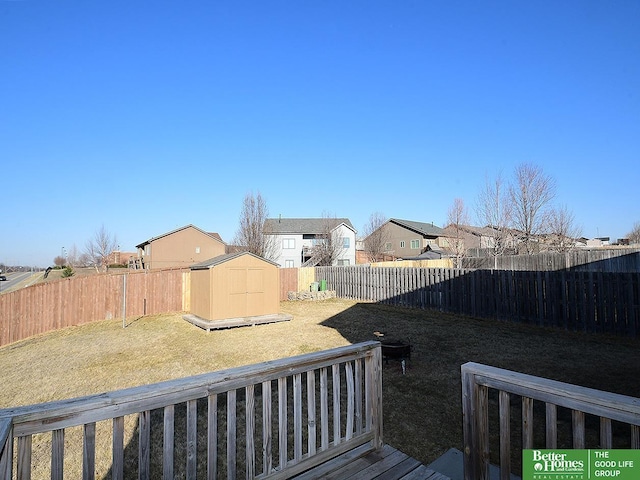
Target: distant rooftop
[(303, 225)]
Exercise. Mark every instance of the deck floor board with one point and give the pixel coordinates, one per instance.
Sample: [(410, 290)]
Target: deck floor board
[(387, 463)]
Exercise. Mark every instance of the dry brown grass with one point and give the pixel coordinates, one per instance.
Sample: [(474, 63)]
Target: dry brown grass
[(422, 411)]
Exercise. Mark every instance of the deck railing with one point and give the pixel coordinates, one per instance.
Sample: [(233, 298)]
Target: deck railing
[(579, 401), (339, 391)]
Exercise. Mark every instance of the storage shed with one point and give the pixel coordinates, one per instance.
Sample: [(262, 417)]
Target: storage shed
[(235, 289)]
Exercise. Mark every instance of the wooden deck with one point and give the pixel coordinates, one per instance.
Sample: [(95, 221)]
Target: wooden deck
[(209, 325), (363, 464)]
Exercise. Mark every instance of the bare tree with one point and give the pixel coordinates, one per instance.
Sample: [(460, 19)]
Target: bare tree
[(73, 256), (84, 260), (59, 261), (327, 247), (634, 234), (530, 195), (493, 210), (458, 218), (562, 230), (251, 235), (376, 237), (99, 247)]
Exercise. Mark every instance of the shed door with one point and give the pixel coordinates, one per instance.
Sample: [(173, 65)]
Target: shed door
[(246, 292), (255, 292)]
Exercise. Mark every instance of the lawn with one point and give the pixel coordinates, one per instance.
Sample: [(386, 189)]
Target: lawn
[(422, 408)]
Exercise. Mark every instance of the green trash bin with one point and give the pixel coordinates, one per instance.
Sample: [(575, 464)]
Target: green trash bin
[(323, 285), (314, 287)]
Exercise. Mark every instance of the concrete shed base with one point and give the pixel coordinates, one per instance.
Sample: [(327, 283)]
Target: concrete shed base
[(209, 325)]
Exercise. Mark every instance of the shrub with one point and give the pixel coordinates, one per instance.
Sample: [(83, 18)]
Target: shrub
[(67, 272)]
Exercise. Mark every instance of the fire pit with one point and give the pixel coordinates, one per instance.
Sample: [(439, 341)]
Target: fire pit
[(396, 349)]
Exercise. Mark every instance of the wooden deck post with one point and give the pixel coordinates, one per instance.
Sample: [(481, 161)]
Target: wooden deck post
[(373, 396), (475, 427), (468, 426), (6, 449)]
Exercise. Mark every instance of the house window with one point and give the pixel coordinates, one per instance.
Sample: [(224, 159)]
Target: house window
[(343, 263), (288, 264), (346, 243), (402, 244), (415, 244), (288, 243), (387, 246), (147, 250)]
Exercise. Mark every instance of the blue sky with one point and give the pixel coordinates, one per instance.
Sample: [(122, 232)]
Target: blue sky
[(148, 116)]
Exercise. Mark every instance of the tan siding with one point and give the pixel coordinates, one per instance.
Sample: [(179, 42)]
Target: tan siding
[(200, 292), (179, 249), (240, 287)]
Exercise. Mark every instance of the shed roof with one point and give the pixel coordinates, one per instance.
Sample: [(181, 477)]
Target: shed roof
[(277, 226), (212, 262), (432, 252)]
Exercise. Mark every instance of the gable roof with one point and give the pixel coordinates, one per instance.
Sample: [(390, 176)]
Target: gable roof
[(212, 262), (426, 229), (278, 226), (215, 236)]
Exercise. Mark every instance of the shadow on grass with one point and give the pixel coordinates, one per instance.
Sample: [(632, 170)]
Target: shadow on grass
[(422, 407)]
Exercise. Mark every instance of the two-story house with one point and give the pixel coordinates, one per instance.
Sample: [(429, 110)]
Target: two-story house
[(179, 248), (300, 242), (408, 239)]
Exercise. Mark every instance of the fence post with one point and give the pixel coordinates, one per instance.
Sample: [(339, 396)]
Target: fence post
[(124, 300)]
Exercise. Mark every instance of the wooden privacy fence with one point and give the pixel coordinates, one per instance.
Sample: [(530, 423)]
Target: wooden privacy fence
[(579, 301), (296, 280), (75, 301), (252, 419), (435, 263), (575, 300), (611, 412), (619, 260)]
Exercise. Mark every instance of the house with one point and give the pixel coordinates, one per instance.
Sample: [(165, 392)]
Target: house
[(598, 242), (308, 242), (409, 239), (472, 237), (118, 257), (179, 248)]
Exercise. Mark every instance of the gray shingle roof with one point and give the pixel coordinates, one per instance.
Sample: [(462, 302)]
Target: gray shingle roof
[(427, 229), (302, 225)]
